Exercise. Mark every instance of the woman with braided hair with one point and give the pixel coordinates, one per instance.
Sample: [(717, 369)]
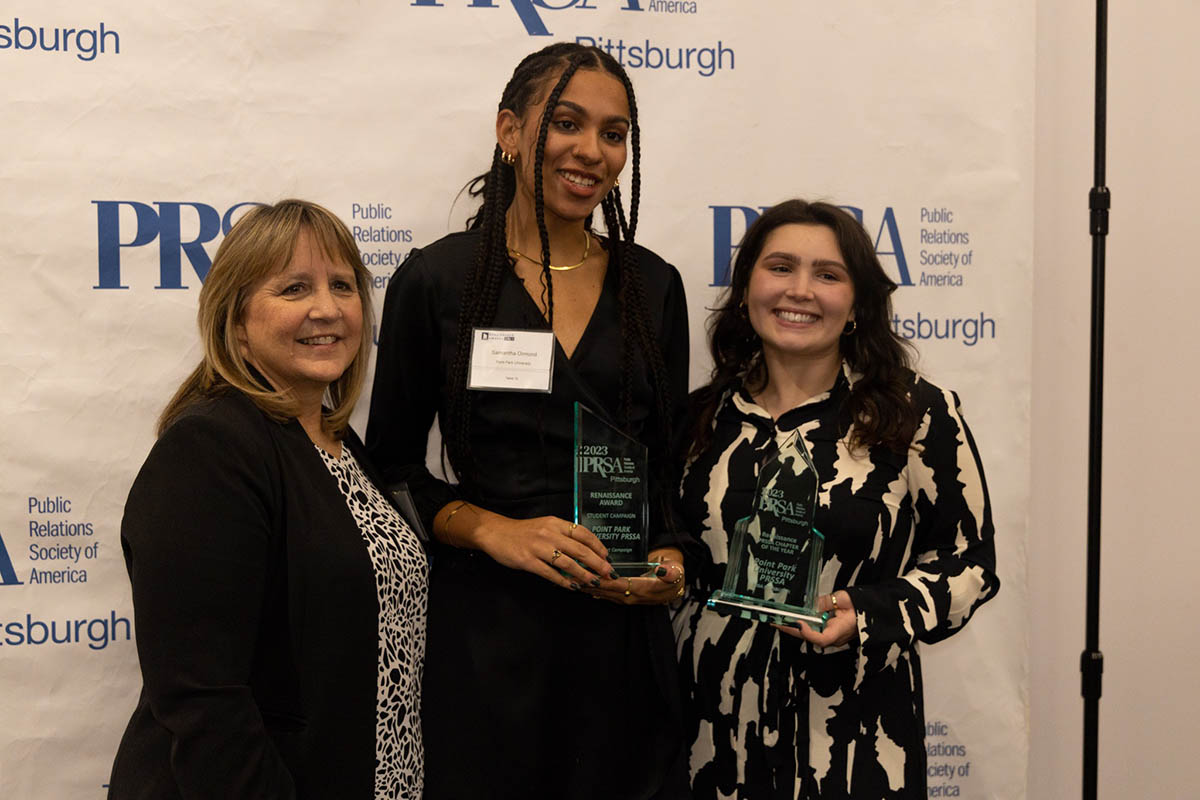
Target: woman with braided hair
[(547, 675)]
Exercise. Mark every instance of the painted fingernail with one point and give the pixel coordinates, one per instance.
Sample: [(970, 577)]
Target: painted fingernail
[(575, 586), (608, 559), (613, 575), (595, 581), (661, 572)]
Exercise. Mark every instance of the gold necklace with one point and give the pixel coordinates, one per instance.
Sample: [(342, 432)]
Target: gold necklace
[(587, 248)]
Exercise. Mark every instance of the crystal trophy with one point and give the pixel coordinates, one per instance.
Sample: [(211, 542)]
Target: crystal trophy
[(775, 554), (611, 491)]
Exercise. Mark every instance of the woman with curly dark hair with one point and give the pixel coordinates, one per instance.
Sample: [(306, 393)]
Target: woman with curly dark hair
[(802, 342), (547, 674)]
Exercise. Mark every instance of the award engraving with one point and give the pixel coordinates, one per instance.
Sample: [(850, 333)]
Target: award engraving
[(612, 492), (775, 553)]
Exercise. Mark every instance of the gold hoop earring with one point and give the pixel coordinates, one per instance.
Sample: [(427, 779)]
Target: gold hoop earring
[(508, 158), (853, 327)]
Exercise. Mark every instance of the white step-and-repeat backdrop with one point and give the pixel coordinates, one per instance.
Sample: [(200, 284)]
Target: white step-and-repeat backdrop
[(134, 135)]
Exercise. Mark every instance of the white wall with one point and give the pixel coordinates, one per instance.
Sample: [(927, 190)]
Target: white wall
[(1148, 714)]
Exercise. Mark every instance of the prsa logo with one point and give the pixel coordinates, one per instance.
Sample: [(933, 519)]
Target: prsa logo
[(775, 501), (888, 246), (605, 466), (528, 12), (8, 575), (164, 222)]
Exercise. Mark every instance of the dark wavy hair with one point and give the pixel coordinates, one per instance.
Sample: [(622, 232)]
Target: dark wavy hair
[(534, 77), (879, 408)]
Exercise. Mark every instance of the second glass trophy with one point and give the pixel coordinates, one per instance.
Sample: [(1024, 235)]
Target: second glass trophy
[(775, 553), (612, 492)]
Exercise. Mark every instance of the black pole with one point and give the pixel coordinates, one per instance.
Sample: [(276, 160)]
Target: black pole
[(1091, 662)]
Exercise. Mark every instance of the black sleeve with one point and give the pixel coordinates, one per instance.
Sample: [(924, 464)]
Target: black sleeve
[(676, 353), (407, 387), (197, 536)]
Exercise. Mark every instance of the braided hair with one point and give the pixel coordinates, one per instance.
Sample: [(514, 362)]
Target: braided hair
[(481, 292)]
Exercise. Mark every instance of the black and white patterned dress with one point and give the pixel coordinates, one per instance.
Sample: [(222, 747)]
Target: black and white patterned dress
[(401, 581), (908, 535)]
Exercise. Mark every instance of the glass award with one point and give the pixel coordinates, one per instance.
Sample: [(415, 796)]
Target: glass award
[(612, 492), (775, 553)]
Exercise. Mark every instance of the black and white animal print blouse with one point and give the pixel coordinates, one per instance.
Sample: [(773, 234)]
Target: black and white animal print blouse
[(907, 534), (401, 582)]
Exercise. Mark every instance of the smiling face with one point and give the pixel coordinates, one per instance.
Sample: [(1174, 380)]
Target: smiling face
[(585, 144), (301, 326), (800, 295)]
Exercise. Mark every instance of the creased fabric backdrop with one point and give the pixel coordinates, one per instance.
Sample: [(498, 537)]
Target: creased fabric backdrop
[(134, 135)]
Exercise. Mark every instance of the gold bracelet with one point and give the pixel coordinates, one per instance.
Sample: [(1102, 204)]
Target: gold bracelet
[(446, 523)]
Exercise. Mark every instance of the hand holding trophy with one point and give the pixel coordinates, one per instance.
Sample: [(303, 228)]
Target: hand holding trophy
[(611, 492), (775, 553)]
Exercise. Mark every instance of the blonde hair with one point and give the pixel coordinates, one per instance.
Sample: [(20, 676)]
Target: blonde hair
[(259, 244)]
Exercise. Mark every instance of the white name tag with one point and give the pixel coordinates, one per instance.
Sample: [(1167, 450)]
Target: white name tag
[(511, 360)]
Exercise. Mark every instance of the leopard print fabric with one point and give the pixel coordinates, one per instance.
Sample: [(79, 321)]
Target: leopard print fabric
[(401, 581)]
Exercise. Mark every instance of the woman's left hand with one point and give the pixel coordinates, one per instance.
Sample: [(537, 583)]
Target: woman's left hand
[(662, 587), (841, 627)]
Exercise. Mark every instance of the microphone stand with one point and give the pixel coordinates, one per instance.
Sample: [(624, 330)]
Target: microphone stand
[(1091, 661)]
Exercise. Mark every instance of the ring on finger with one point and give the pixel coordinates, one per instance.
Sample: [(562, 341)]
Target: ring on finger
[(833, 602), (554, 556), (571, 530), (628, 586)]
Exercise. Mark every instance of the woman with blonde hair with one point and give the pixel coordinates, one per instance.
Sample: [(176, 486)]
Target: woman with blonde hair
[(279, 597)]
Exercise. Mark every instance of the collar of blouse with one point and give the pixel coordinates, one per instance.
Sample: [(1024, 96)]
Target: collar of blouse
[(741, 405)]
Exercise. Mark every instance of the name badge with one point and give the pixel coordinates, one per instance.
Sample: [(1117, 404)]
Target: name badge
[(511, 360)]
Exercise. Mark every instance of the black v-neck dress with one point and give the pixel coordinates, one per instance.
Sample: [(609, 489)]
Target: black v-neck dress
[(530, 690)]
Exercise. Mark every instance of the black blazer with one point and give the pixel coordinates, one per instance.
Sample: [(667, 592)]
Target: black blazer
[(256, 616)]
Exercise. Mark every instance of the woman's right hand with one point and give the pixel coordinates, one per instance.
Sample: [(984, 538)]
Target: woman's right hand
[(564, 553)]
